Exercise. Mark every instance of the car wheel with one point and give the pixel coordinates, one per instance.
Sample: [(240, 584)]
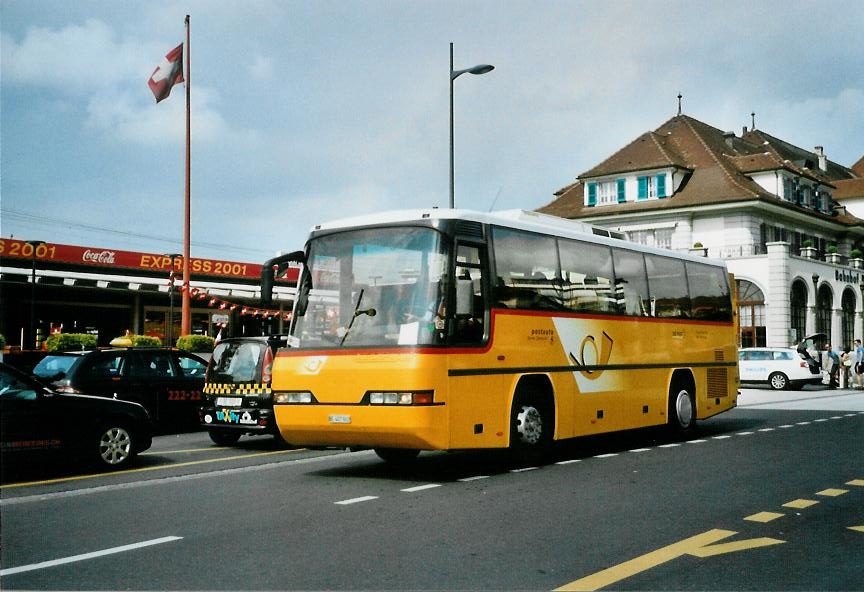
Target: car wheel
[(682, 411), (778, 381), (397, 456), (224, 437), (114, 447)]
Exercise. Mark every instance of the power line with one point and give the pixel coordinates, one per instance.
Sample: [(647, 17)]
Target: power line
[(57, 222)]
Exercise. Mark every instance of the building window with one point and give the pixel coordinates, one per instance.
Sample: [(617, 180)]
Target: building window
[(639, 236), (751, 314), (847, 305), (663, 238), (798, 304), (823, 310)]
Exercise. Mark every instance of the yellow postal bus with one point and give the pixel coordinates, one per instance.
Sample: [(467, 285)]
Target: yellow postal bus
[(451, 329)]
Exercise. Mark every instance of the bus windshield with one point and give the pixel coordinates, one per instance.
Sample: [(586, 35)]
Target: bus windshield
[(373, 288)]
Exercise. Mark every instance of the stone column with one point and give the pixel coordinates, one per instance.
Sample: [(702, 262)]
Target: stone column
[(778, 310), (836, 336)]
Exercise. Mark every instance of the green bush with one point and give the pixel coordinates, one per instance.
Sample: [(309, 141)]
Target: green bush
[(64, 341), (196, 343), (854, 253), (2, 341), (697, 245), (832, 249), (807, 244), (145, 341)]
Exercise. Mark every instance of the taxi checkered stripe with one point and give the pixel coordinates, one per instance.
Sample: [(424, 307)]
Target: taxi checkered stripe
[(236, 389)]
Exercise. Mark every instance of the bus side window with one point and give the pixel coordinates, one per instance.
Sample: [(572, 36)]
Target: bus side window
[(667, 282), (527, 269), (469, 295), (586, 273), (631, 283)]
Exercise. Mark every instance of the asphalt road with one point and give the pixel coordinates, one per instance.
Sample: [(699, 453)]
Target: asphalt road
[(769, 496)]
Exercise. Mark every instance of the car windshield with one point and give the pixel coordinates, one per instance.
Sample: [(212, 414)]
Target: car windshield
[(381, 287), (54, 367), (236, 362)]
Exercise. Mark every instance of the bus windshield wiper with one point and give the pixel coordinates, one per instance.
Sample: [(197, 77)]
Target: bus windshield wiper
[(357, 312)]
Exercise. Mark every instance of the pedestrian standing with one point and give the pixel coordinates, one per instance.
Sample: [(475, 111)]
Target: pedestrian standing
[(832, 365), (845, 368), (859, 364)]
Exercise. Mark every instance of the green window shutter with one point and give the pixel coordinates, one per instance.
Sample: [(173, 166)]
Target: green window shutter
[(622, 195), (592, 194), (661, 185), (643, 188)]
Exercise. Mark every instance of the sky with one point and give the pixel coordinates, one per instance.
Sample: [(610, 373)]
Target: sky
[(309, 111)]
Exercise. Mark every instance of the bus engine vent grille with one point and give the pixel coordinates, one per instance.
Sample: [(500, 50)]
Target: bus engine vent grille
[(469, 229), (718, 385), (718, 355)]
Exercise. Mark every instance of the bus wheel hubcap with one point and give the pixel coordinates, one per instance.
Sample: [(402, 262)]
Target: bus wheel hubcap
[(529, 424), (684, 409)]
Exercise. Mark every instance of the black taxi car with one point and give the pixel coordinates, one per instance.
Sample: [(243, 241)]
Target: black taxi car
[(237, 394), (35, 420), (166, 381)]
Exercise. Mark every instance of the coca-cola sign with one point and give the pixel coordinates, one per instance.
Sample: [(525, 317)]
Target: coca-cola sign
[(104, 257)]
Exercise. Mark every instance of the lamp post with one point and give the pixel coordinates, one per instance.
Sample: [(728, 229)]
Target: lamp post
[(454, 74), (35, 244), (170, 332)]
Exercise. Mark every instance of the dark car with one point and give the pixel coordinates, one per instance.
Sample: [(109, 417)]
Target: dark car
[(36, 420), (167, 382), (238, 399)]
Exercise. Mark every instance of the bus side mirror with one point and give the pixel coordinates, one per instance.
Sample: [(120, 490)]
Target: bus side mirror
[(268, 273)]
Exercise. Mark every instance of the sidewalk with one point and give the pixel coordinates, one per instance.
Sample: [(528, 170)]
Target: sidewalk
[(812, 397)]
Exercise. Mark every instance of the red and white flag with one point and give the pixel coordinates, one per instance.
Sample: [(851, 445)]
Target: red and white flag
[(167, 74)]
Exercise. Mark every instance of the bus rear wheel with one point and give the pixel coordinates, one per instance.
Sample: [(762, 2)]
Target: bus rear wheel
[(531, 427), (682, 411), (397, 456)]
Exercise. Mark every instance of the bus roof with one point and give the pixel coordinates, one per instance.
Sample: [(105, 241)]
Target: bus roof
[(518, 219)]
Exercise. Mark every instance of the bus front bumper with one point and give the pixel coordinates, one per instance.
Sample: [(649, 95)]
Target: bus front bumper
[(422, 427)]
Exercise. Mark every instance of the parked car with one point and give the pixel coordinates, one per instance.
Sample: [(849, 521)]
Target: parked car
[(36, 420), (167, 382), (781, 368), (237, 394)]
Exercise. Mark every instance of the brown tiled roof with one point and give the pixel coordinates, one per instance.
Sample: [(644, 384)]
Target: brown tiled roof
[(849, 188), (803, 162), (858, 167), (714, 164)]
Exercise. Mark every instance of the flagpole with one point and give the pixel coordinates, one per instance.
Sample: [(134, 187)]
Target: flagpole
[(186, 315)]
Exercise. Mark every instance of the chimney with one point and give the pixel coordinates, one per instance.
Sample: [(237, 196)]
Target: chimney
[(823, 160), (743, 131), (729, 137)]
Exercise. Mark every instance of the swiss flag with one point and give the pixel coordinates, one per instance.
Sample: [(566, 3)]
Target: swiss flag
[(167, 74)]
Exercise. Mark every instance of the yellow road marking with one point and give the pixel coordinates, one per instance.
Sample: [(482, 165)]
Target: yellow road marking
[(858, 482), (764, 517), (698, 546), (832, 492), (148, 469), (712, 550), (858, 528), (800, 504)]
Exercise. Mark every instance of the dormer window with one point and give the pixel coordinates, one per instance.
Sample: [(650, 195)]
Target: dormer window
[(624, 189)]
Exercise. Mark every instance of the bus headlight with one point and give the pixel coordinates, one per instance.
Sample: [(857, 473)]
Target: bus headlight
[(293, 398), (400, 398)]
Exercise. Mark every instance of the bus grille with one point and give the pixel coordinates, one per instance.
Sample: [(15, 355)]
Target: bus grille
[(718, 378), (470, 229)]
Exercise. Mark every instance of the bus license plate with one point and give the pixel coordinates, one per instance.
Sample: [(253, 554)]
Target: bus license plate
[(229, 401), (339, 419)]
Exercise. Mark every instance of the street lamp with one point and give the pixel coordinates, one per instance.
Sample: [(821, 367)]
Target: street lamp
[(173, 257), (35, 244), (454, 74)]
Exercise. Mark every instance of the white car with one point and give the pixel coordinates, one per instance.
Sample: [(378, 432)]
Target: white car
[(780, 367)]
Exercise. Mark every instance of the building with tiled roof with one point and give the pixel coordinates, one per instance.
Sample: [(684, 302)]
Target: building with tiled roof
[(776, 212)]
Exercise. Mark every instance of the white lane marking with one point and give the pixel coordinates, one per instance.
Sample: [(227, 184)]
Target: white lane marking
[(609, 455), (640, 450), (568, 462), (42, 565), (820, 420), (696, 441), (356, 500), (721, 437), (744, 433), (803, 423), (669, 445), (837, 417), (523, 470), (421, 487), (767, 430), (849, 415), (786, 426), (475, 478)]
